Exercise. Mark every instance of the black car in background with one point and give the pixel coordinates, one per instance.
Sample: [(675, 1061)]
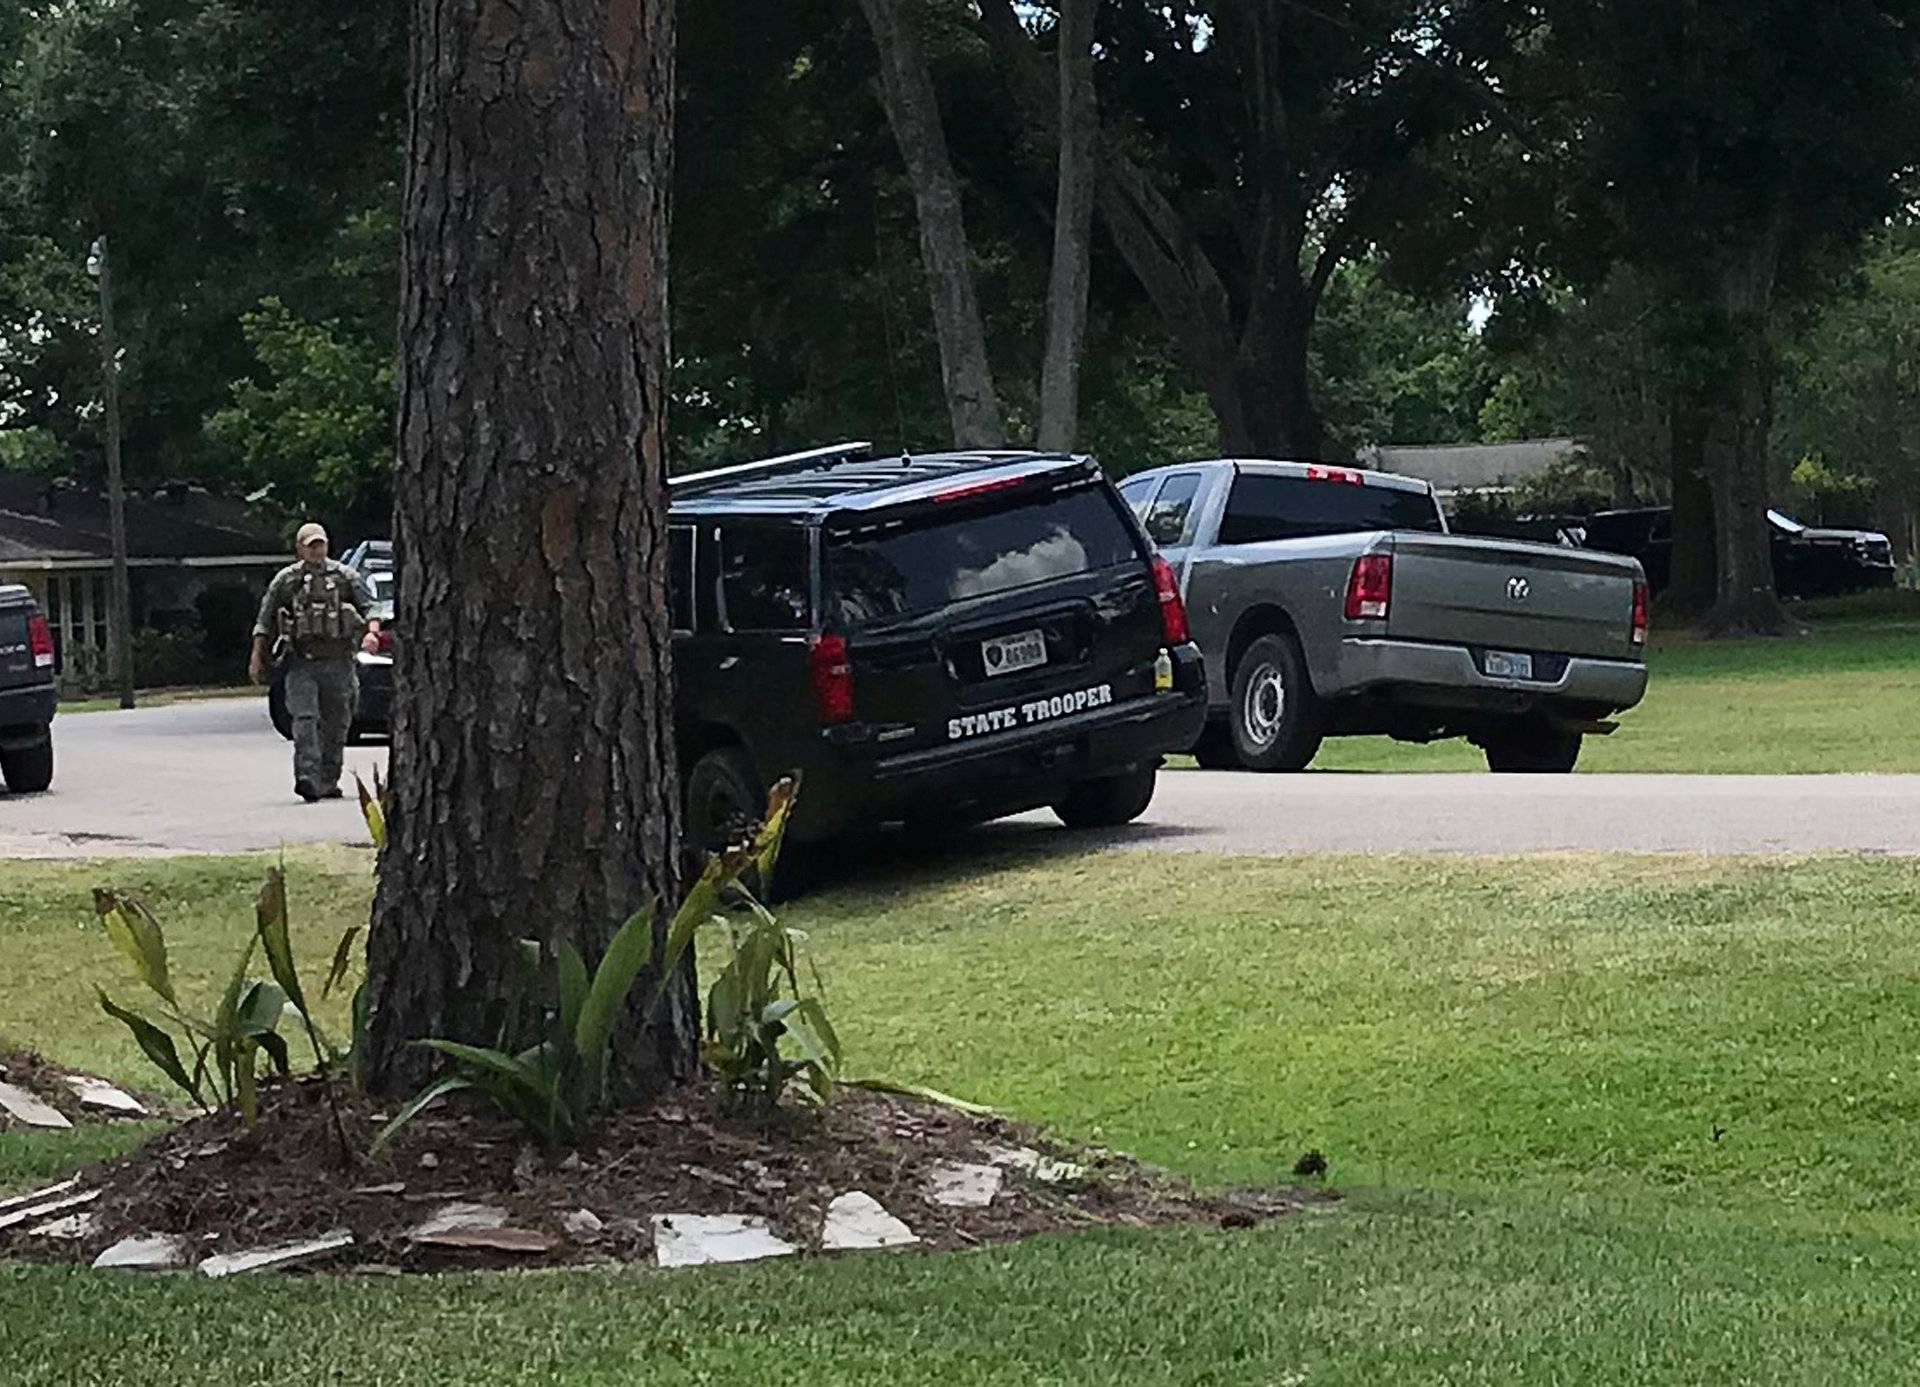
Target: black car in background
[(27, 692), (1807, 562), (942, 639)]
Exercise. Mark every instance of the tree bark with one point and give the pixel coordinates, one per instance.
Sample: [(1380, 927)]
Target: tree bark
[(533, 782), (1072, 228), (906, 88), (1690, 580)]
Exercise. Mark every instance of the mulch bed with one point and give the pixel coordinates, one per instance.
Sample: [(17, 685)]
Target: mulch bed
[(46, 1081), (231, 1190)]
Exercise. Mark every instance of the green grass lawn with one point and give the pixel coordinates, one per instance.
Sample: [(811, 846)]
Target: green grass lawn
[(1518, 1070), (1839, 698)]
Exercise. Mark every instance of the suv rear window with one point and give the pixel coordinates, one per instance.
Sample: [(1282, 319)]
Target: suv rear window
[(906, 567), (1264, 507)]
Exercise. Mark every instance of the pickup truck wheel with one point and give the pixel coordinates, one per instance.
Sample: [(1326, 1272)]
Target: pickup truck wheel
[(28, 769), (1108, 802), (1534, 749), (1277, 720)]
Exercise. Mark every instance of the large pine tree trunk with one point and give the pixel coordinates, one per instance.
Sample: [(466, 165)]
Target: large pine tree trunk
[(906, 89), (533, 774), (1072, 228)]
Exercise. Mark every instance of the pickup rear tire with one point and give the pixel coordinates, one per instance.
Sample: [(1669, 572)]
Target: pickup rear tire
[(1277, 721), (28, 769), (1532, 748), (1108, 802)]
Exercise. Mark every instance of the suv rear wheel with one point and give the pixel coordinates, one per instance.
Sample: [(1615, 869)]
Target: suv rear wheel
[(28, 769), (724, 800), (1276, 720), (1538, 748), (1108, 802)]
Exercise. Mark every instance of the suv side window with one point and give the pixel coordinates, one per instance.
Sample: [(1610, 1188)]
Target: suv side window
[(766, 579), (1166, 518), (681, 570), (1138, 494)]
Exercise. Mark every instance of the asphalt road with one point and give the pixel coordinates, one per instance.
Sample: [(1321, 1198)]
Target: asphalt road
[(213, 777)]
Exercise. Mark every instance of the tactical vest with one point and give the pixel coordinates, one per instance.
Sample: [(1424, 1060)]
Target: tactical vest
[(320, 618)]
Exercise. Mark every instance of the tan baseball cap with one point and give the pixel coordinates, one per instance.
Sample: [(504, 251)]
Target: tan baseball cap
[(309, 532)]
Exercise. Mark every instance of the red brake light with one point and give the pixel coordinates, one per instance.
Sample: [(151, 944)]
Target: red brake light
[(1173, 612), (1640, 622), (1333, 474), (1370, 588), (960, 493), (830, 676), (386, 641), (40, 642)]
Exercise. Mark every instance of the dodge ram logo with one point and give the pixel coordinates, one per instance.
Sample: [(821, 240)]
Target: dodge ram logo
[(1519, 589)]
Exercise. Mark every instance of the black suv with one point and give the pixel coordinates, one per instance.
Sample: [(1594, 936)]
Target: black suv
[(942, 639), (1806, 562), (27, 694)]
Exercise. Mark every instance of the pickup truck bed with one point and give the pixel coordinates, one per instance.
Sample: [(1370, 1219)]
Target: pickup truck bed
[(1332, 601)]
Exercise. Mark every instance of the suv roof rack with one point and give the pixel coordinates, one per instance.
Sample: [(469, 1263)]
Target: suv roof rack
[(693, 483)]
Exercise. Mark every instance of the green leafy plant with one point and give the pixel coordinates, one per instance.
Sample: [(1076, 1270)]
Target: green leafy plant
[(213, 1057), (554, 1085), (761, 1031)]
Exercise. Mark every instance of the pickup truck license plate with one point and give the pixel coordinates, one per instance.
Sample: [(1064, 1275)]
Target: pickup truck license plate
[(1011, 654), (1503, 666)]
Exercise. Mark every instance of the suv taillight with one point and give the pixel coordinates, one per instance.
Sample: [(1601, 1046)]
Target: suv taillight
[(1370, 588), (1173, 612), (40, 642), (1640, 614), (386, 640), (830, 676)]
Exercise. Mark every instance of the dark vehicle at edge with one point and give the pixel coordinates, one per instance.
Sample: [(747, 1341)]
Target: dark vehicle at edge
[(28, 696), (1807, 562), (939, 640)]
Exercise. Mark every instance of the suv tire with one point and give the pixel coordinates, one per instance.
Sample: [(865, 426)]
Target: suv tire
[(1276, 721), (724, 799), (28, 769), (1108, 802), (1535, 748), (1214, 751)]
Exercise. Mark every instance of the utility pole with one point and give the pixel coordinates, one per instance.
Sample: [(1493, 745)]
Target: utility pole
[(119, 617)]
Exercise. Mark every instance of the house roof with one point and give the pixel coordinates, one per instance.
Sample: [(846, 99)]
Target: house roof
[(65, 524), (1473, 466)]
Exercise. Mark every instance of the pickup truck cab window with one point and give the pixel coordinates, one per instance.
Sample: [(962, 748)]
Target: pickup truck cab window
[(1166, 518), (1265, 506), (1139, 494)]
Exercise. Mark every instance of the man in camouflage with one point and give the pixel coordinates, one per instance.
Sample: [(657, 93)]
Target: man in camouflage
[(315, 614)]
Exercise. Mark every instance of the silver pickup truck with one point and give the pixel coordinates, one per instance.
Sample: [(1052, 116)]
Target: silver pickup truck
[(1331, 601)]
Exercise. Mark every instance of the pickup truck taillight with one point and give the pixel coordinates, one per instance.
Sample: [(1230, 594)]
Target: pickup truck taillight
[(40, 642), (830, 677), (1173, 612), (1639, 613), (1370, 588)]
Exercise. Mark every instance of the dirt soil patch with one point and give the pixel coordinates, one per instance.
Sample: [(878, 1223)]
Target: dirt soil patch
[(227, 1190)]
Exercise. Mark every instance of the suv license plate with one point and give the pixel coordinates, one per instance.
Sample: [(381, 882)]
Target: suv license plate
[(1500, 666), (1011, 654)]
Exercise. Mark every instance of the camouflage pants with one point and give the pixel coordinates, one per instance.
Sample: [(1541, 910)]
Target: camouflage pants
[(320, 699)]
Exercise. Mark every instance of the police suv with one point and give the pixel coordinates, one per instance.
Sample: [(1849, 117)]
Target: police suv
[(940, 639)]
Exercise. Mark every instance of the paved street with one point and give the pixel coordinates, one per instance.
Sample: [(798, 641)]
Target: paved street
[(213, 777)]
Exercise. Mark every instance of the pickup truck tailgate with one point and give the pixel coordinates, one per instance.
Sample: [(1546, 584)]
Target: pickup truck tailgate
[(1512, 596)]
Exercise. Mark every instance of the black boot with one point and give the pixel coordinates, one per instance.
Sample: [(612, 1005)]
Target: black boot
[(305, 790)]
